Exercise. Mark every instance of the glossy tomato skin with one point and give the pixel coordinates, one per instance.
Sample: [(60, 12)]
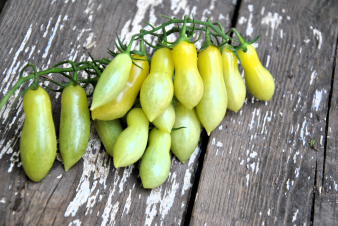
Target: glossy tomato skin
[(188, 83), (155, 164), (233, 80), (185, 140), (74, 125), (112, 80), (108, 132), (118, 107), (259, 81), (212, 107), (38, 139), (166, 120), (131, 143), (157, 89)]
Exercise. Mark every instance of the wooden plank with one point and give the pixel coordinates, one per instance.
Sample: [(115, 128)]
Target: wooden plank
[(326, 192), (259, 168), (93, 191)]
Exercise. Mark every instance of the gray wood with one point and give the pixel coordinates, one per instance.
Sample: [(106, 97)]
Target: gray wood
[(326, 191), (259, 168), (93, 191)]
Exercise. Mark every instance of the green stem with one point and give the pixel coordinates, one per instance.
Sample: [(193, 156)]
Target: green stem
[(78, 66)]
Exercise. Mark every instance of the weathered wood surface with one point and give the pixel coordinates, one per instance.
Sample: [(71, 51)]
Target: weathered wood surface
[(259, 168), (326, 191), (93, 192)]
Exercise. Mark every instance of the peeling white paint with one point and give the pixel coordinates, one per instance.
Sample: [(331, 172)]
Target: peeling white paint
[(247, 180), (272, 20), (297, 171), (128, 202), (252, 119), (313, 75), (317, 98), (3, 200), (188, 173), (318, 36), (75, 222), (95, 163), (267, 61), (294, 218), (253, 154), (12, 71), (52, 37), (126, 174), (249, 28)]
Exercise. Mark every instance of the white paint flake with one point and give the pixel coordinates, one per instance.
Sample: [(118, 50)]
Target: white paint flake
[(267, 61), (252, 119), (242, 20), (273, 20), (288, 184), (3, 200), (126, 174), (294, 218), (128, 202), (317, 98), (47, 28), (219, 144), (247, 180), (318, 36), (52, 36), (253, 154), (297, 171), (75, 222), (249, 28), (313, 75), (188, 173), (12, 70)]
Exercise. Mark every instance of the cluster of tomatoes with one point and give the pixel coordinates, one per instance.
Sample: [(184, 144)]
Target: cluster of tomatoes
[(203, 88)]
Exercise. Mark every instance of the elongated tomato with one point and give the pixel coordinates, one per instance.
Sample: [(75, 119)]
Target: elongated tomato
[(212, 107), (74, 125), (118, 107), (188, 83), (38, 140), (112, 81)]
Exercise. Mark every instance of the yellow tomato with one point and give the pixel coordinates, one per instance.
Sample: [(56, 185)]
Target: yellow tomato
[(118, 107), (259, 81), (212, 107), (233, 80), (157, 89), (188, 83)]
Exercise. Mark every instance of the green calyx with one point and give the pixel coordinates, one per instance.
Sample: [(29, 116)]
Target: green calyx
[(242, 41)]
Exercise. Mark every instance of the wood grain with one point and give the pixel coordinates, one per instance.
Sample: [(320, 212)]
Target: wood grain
[(259, 168), (92, 192), (326, 190)]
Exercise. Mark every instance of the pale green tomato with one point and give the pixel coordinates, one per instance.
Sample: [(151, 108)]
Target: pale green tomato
[(74, 125), (108, 132), (234, 83), (131, 143), (185, 140), (38, 140), (166, 120), (155, 164), (157, 89), (112, 81)]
